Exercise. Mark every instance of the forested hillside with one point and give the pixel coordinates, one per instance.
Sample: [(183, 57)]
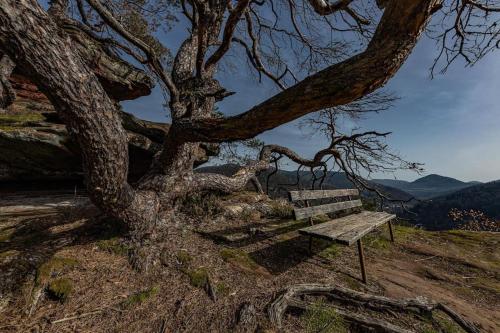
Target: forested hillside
[(427, 187), (434, 214)]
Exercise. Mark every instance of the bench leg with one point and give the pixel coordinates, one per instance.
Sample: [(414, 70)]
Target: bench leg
[(390, 231), (362, 260)]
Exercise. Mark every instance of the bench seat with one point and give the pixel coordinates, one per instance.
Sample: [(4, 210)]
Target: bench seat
[(345, 230), (350, 228)]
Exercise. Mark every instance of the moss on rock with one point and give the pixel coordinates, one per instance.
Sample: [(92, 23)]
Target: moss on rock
[(53, 266), (60, 289), (114, 245)]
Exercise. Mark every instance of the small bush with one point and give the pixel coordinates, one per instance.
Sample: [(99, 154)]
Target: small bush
[(281, 209), (183, 257), (53, 266), (140, 297), (222, 289), (113, 245), (60, 289), (198, 277)]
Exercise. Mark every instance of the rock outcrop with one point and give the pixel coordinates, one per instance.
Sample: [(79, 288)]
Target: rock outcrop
[(34, 144)]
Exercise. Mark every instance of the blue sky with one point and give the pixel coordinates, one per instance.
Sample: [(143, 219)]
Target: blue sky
[(449, 123)]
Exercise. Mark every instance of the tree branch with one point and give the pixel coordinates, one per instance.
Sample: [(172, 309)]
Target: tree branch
[(398, 31), (153, 60), (231, 23)]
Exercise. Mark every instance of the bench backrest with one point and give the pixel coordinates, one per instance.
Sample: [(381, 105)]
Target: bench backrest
[(305, 212)]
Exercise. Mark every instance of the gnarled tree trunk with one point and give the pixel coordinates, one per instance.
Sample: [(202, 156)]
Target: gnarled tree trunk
[(45, 53)]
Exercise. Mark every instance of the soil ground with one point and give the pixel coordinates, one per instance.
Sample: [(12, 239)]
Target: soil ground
[(66, 261)]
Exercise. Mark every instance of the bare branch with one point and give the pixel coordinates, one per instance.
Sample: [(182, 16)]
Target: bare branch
[(153, 60), (231, 23), (336, 85)]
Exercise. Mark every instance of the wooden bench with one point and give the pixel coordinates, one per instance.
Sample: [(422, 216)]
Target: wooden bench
[(345, 230)]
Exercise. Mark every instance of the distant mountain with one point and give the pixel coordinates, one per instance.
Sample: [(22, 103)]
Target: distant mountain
[(433, 214), (392, 182), (283, 181), (437, 181), (427, 187)]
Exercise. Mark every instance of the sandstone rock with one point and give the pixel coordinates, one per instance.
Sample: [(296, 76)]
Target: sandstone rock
[(34, 146)]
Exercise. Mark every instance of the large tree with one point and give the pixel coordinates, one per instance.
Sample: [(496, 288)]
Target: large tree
[(284, 40)]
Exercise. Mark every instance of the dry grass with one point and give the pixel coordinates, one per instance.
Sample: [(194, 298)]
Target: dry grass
[(173, 294)]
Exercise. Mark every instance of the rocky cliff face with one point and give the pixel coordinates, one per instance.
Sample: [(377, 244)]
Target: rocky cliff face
[(34, 144)]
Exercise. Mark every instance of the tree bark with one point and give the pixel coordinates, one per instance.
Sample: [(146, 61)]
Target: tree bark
[(44, 53), (7, 93)]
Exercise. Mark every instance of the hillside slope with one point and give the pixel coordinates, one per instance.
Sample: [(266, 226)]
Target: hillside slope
[(427, 187), (67, 271), (433, 214)]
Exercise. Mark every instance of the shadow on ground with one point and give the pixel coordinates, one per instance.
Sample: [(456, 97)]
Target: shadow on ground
[(28, 242)]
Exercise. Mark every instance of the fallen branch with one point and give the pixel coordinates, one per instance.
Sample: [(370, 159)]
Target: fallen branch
[(293, 297), (76, 317), (377, 324), (83, 315), (422, 259)]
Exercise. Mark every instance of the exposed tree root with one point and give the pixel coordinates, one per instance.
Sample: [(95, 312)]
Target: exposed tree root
[(293, 297)]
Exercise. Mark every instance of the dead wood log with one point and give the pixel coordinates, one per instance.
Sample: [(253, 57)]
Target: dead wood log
[(377, 324), (467, 326), (292, 297)]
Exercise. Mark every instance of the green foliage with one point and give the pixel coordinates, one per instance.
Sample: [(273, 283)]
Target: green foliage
[(184, 258), (446, 325), (331, 251), (54, 266), (222, 289), (321, 318), (377, 241), (403, 233), (239, 257), (198, 277), (60, 289), (140, 297), (113, 245), (19, 119), (281, 209)]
